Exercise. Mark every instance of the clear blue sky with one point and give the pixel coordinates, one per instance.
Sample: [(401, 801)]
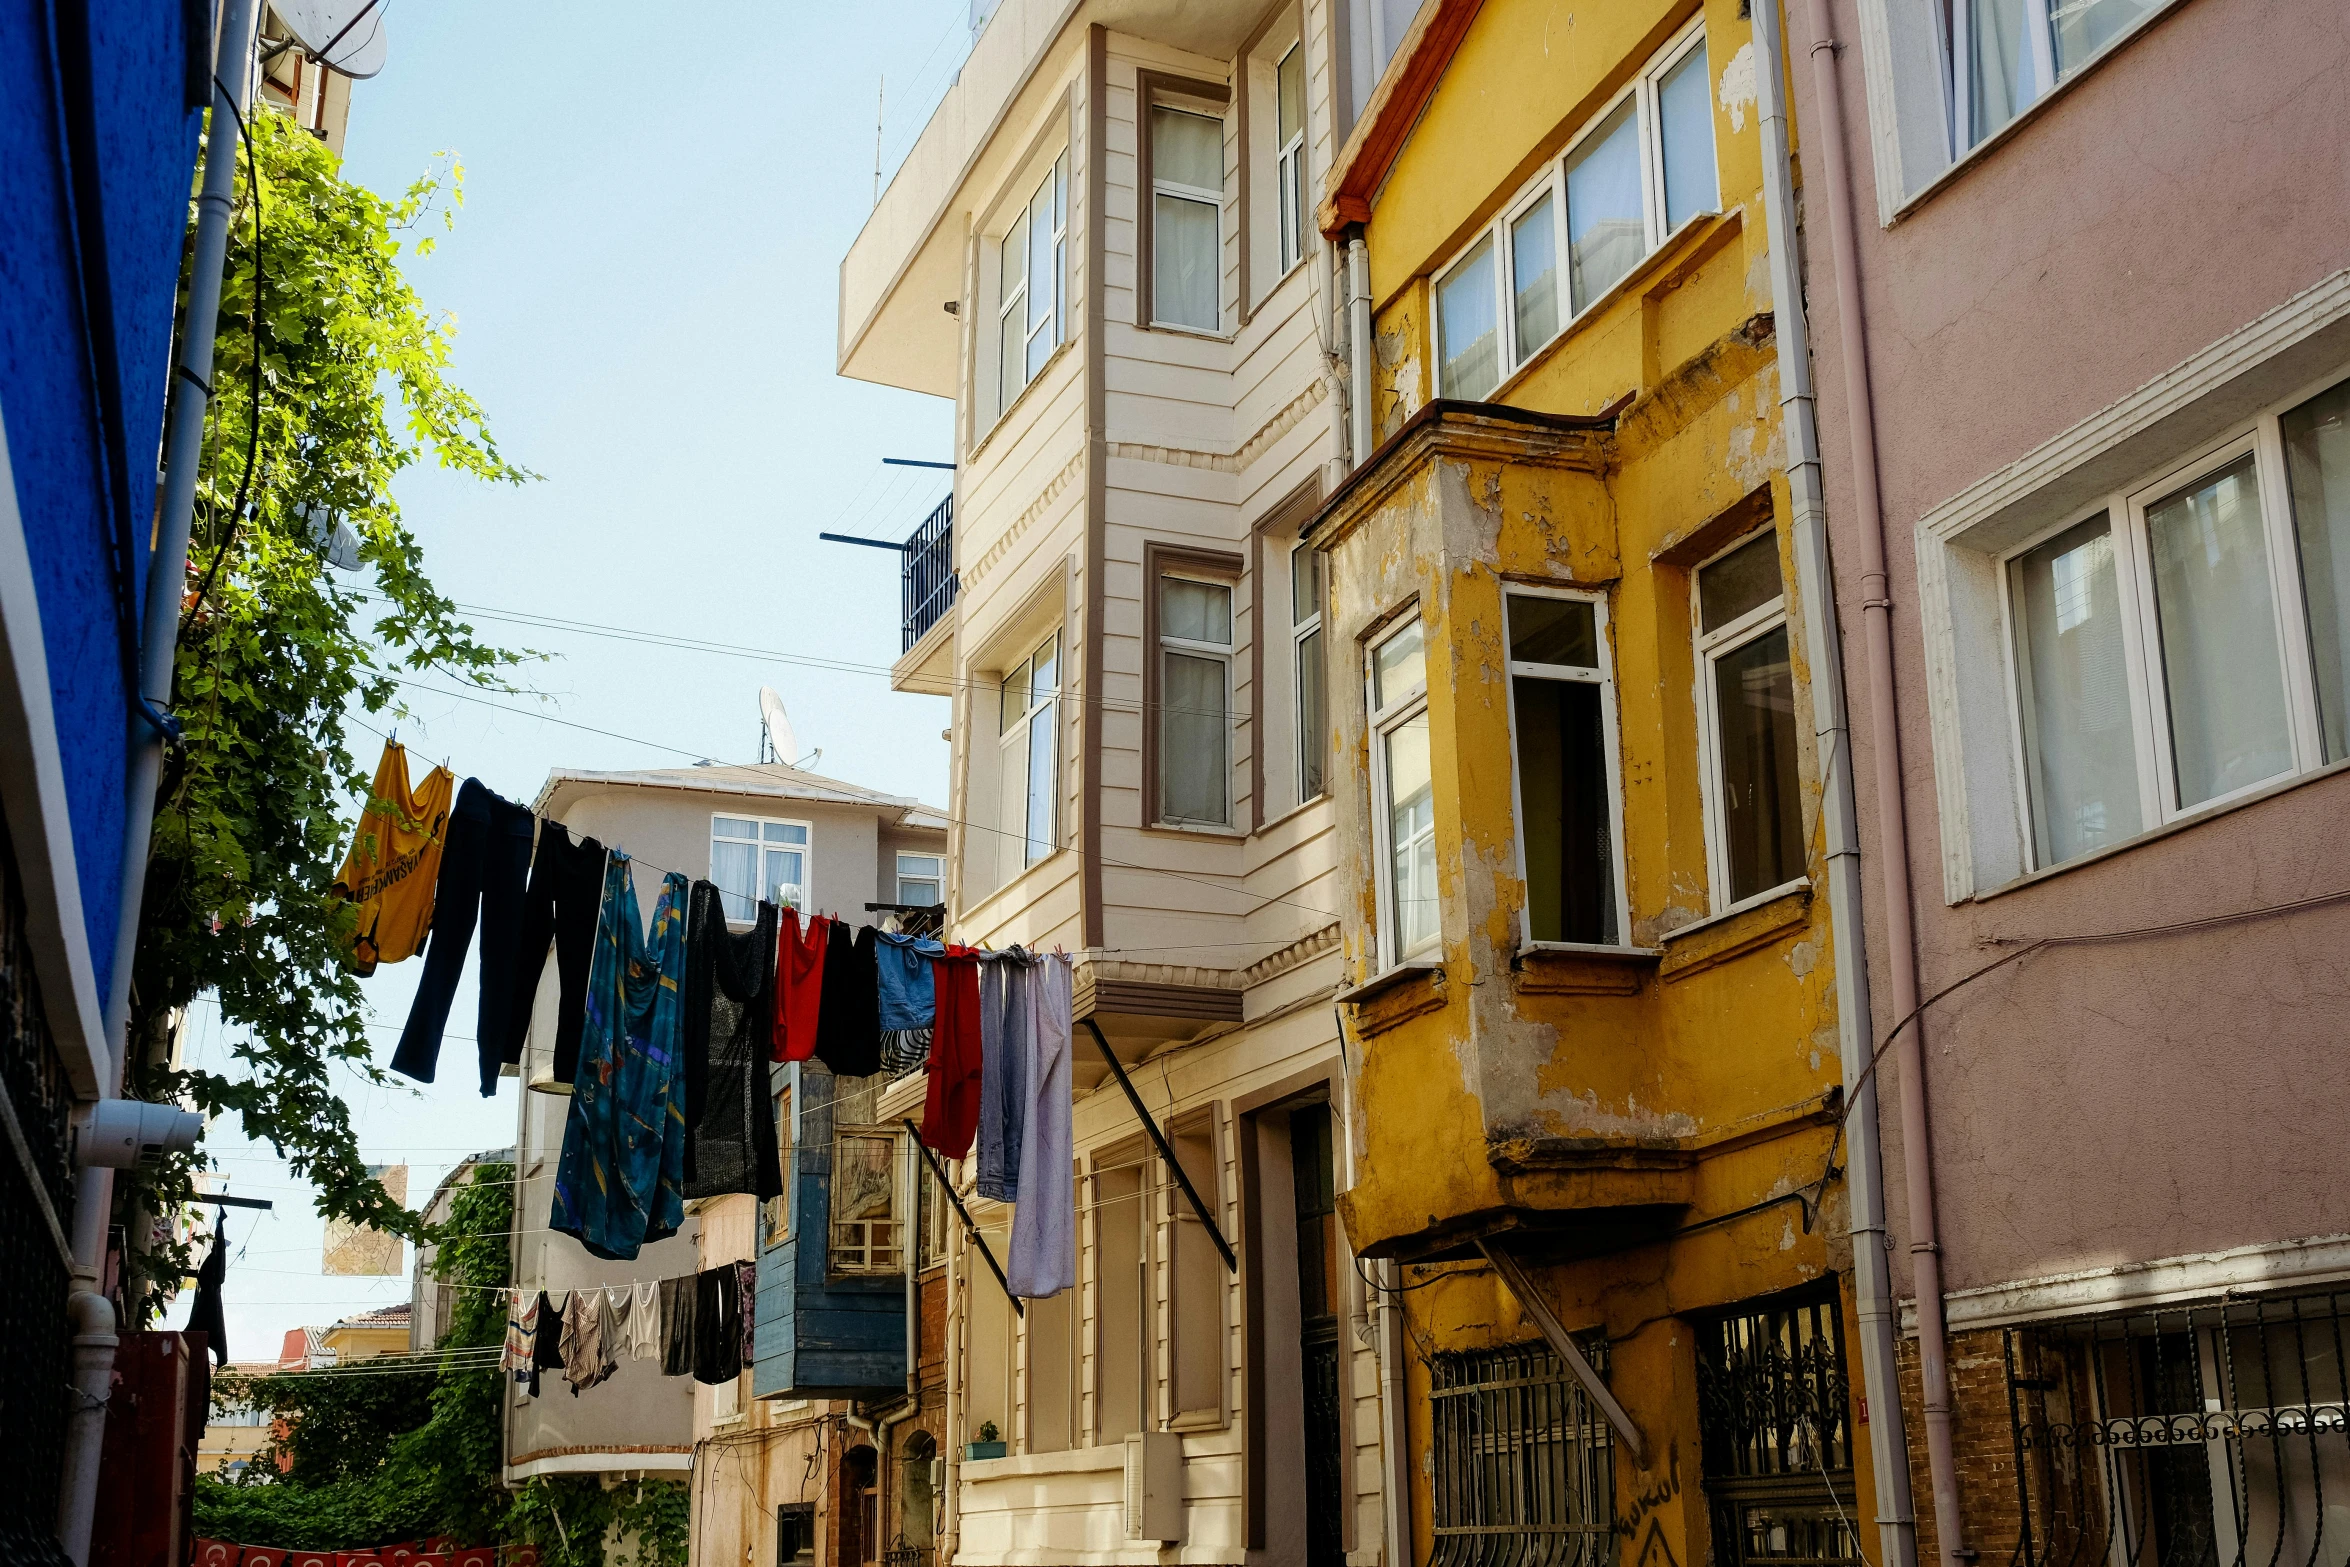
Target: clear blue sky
[(644, 277)]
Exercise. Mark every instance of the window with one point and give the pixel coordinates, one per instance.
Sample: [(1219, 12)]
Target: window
[(1305, 633), (1194, 753), (1123, 1267), (753, 858), (1562, 719), (930, 1218), (1030, 717), (1746, 723), (1198, 1279), (775, 1212), (1628, 182), (1032, 284), (1187, 208), (921, 879), (2186, 642), (1289, 126), (865, 1232), (2011, 52), (1375, 30), (1404, 795), (1522, 1460), (795, 1534), (1774, 1427)]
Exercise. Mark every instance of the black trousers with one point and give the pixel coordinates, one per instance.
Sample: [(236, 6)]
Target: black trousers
[(560, 907), (483, 863)]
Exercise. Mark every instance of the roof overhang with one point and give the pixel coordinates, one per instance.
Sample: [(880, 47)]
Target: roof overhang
[(1387, 120)]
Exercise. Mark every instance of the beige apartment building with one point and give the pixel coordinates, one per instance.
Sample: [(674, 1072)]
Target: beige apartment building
[(1101, 247)]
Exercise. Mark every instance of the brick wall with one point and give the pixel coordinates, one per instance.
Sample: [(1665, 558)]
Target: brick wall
[(1982, 1437)]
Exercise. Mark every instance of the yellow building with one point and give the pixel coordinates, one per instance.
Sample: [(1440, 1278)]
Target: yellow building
[(383, 1331), (1599, 1071)]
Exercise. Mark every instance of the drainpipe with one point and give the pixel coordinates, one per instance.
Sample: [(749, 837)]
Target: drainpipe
[(1876, 604), (1872, 1287), (1359, 347), (91, 1313)]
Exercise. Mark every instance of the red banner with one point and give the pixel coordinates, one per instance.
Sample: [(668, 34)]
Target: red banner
[(218, 1553), (310, 1559), (262, 1556)]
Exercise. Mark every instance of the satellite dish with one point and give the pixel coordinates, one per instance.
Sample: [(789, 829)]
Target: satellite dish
[(779, 735), (342, 35)]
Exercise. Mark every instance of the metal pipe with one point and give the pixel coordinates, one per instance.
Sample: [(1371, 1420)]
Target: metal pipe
[(1876, 606), (1191, 1194), (93, 1315), (1359, 348), (1872, 1287)]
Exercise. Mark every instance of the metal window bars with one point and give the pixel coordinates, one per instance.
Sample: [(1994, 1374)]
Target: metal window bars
[(1773, 1412), (1524, 1461), (2211, 1435), (928, 580)]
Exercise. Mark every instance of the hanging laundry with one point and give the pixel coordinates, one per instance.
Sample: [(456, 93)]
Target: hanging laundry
[(848, 1025), (559, 908), (395, 858), (905, 988), (950, 1108), (621, 1180), (729, 1008), (205, 1315), (679, 1302), (904, 1050), (485, 859), (1044, 1225), (517, 1358), (585, 1362), (547, 1352), (644, 1321), (746, 1297), (1006, 1030), (799, 983), (718, 1333)]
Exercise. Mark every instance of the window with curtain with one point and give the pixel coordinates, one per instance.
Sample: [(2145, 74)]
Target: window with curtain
[(1029, 748), (2187, 642), (1746, 719), (921, 879), (1187, 218), (1195, 700), (1643, 168), (1562, 719), (1289, 104), (2011, 52), (754, 858), (1404, 789), (1032, 284), (1305, 635)]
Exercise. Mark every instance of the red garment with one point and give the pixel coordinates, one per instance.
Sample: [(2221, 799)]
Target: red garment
[(799, 984), (950, 1112)]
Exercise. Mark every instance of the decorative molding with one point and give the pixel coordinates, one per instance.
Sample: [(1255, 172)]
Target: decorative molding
[(1386, 123), (995, 552), (2138, 1286), (1303, 950), (1287, 419), (1491, 432)]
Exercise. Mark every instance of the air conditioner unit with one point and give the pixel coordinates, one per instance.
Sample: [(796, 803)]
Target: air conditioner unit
[(1154, 1486)]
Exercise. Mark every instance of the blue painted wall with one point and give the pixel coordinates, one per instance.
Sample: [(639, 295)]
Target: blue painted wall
[(88, 278), (817, 1335)]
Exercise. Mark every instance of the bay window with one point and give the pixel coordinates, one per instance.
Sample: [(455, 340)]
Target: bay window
[(1562, 722), (1194, 752), (1641, 170), (2184, 642), (1186, 219), (1029, 712), (1032, 284), (755, 859), (1403, 796), (1746, 723)]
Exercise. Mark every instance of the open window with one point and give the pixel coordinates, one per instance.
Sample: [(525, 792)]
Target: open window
[(1403, 794), (1563, 734), (1746, 723)]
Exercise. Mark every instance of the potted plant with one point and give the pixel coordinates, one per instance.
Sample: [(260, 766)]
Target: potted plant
[(990, 1444)]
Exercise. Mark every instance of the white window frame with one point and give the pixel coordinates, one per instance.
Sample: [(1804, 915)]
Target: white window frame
[(939, 875), (1710, 647), (1514, 356), (1384, 721), (1603, 675), (1289, 167), (855, 1238), (2126, 510), (1053, 191), (806, 849), (1219, 652), (1214, 200), (1310, 747), (1015, 731)]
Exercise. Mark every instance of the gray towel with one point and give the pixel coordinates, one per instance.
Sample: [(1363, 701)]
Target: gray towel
[(1006, 1039), (1044, 1224)]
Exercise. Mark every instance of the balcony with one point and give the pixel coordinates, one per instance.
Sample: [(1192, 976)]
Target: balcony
[(928, 575)]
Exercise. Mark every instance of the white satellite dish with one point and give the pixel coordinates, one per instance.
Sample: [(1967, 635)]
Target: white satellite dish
[(342, 35), (779, 735)]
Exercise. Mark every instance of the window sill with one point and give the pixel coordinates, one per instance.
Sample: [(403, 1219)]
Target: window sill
[(1580, 968), (1387, 979), (1272, 288), (1199, 1420), (2167, 829), (1394, 997), (1296, 810), (1742, 928), (1218, 335), (1196, 830), (1800, 884)]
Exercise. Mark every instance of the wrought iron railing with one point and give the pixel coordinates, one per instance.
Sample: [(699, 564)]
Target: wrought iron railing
[(2195, 1436), (903, 1555), (1774, 1406), (1524, 1461), (928, 576)]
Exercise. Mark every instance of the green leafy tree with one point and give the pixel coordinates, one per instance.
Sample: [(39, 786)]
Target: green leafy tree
[(331, 378)]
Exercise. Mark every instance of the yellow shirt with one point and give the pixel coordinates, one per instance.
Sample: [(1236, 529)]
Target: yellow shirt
[(395, 860)]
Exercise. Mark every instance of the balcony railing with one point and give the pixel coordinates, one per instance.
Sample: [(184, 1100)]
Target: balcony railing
[(928, 574)]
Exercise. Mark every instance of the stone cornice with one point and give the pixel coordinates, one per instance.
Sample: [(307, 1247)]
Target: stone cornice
[(1490, 432)]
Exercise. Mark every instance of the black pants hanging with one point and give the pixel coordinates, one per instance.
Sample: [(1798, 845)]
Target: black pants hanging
[(483, 865), (560, 907)]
